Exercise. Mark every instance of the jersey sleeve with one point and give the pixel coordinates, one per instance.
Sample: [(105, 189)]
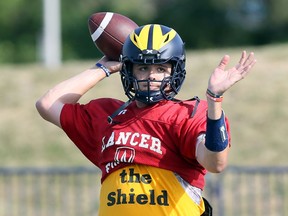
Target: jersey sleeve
[(192, 128), (75, 121), (84, 125)]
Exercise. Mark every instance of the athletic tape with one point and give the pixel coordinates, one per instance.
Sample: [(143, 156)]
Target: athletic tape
[(97, 33)]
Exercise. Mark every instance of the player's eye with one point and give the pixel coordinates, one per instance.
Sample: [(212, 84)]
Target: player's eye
[(161, 69), (143, 68)]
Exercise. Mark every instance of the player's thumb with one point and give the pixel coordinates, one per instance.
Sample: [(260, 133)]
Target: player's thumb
[(224, 61)]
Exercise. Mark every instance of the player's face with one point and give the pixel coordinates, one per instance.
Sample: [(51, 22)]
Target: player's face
[(153, 72)]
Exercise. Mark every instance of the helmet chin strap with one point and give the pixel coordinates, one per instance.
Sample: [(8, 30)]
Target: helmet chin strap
[(110, 118), (140, 96)]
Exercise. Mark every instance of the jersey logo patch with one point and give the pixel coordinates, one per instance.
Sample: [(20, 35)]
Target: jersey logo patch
[(124, 154)]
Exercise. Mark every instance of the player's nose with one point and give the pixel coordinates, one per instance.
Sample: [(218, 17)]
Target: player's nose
[(152, 72)]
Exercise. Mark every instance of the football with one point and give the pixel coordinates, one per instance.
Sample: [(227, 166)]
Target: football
[(109, 31)]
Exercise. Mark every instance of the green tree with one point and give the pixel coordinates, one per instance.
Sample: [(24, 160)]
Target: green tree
[(201, 24), (20, 24)]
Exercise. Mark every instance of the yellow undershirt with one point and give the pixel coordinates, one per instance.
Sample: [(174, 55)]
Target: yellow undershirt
[(145, 190)]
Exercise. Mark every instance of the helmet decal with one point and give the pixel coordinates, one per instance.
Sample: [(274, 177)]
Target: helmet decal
[(152, 37)]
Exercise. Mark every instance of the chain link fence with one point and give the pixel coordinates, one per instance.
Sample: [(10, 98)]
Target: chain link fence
[(75, 191), (257, 191)]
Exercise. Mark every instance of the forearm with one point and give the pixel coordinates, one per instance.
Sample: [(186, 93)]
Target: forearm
[(214, 111), (212, 160), (212, 153), (69, 91)]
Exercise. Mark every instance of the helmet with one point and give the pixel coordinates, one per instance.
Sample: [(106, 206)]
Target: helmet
[(153, 44)]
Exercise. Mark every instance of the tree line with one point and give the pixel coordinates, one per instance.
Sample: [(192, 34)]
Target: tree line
[(201, 24)]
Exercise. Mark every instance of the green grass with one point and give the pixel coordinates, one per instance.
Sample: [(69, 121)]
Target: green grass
[(256, 107)]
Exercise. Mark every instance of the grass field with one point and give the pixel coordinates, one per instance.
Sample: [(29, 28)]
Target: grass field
[(256, 107)]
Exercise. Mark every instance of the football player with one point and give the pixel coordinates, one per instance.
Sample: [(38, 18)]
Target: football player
[(153, 150)]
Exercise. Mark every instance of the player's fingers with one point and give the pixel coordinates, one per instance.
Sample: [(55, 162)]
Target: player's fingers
[(249, 59), (224, 61), (242, 59), (245, 61), (247, 68)]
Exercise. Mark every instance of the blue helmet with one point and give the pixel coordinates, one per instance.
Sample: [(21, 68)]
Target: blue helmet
[(153, 44)]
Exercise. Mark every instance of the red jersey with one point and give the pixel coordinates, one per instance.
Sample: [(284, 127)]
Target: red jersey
[(162, 135)]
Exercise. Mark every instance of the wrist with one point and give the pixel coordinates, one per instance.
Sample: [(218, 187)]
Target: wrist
[(214, 97), (214, 106), (104, 68)]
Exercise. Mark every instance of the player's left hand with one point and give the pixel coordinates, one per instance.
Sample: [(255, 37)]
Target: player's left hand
[(221, 80)]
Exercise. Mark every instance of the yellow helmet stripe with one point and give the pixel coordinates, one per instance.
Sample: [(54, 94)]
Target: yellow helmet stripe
[(160, 40), (152, 36), (141, 41)]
